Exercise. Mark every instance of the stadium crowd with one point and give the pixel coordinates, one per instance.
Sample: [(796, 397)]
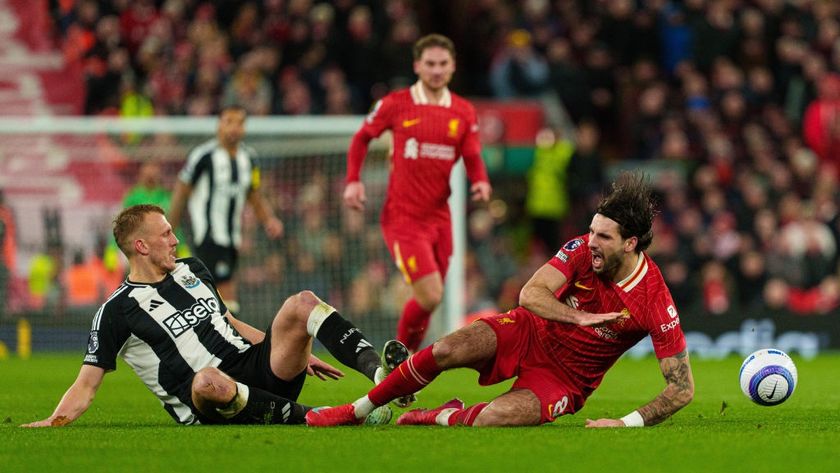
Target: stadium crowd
[(733, 107)]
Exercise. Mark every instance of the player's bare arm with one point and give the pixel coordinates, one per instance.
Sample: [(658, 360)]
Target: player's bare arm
[(246, 330), (273, 225), (179, 202), (538, 296), (354, 193), (676, 395), (76, 400)]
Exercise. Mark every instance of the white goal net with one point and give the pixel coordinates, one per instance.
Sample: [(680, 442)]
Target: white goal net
[(64, 181)]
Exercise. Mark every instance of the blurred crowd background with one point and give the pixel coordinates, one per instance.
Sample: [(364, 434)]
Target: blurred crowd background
[(731, 106)]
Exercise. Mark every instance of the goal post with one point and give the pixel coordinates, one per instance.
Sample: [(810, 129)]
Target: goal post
[(64, 179)]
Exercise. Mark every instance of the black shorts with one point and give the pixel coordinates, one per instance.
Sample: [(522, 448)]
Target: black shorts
[(220, 260), (253, 368)]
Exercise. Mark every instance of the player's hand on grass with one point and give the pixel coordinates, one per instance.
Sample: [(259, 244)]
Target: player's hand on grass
[(600, 423), (59, 421), (481, 191), (322, 369), (354, 195)]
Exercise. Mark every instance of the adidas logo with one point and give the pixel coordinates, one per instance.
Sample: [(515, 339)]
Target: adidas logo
[(286, 411), (154, 304), (362, 345)]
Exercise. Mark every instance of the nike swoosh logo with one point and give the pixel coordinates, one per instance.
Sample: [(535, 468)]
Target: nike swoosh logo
[(410, 123), (579, 285)]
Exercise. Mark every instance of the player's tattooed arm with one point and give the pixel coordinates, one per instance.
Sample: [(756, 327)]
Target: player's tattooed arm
[(676, 395)]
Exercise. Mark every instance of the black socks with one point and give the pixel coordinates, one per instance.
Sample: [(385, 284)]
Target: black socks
[(348, 345)]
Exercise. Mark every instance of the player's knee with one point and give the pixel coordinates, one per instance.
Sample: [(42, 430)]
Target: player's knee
[(211, 384), (429, 298), (303, 302), (297, 307), (445, 352)]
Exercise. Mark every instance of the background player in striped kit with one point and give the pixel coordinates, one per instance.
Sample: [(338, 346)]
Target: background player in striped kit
[(169, 324), (217, 179), (432, 128), (595, 299)]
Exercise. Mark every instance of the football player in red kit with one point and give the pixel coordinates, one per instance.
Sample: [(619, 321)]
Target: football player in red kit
[(595, 299), (431, 128)]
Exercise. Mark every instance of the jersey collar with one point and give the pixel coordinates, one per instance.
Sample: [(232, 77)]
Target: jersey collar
[(627, 284), (419, 97)]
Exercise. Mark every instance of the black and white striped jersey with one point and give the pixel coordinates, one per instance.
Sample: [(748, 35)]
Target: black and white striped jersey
[(220, 190), (166, 332)]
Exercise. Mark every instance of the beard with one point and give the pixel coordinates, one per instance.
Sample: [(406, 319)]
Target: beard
[(610, 264)]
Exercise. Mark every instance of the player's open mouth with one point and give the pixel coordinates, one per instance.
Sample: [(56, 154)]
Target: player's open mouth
[(597, 261)]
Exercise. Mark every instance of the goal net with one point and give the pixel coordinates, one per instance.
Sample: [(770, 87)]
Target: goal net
[(64, 181)]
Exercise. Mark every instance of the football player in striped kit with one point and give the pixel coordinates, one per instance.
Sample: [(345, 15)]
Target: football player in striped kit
[(218, 179), (170, 326)]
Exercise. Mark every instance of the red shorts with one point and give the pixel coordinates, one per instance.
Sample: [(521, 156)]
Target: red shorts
[(520, 354), (419, 250)]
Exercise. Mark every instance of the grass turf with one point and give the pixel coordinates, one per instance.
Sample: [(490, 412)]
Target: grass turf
[(127, 430)]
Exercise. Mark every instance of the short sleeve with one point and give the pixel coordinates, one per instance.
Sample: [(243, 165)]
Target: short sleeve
[(197, 163), (572, 258), (108, 334), (379, 118), (665, 330)]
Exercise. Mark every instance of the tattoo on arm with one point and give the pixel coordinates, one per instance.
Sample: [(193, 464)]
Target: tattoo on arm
[(678, 392)]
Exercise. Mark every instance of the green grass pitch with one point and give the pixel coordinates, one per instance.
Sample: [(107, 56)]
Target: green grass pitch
[(126, 430)]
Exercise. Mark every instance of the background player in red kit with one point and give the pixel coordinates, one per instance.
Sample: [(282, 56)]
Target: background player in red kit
[(432, 128), (597, 297)]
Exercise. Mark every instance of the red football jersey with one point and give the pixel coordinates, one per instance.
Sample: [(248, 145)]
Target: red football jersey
[(427, 141), (586, 353)]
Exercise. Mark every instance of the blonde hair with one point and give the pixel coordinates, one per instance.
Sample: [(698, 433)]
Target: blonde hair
[(128, 222)]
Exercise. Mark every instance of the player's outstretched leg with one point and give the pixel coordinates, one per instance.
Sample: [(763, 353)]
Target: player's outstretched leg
[(379, 416), (431, 416), (409, 377), (469, 346), (342, 339), (394, 353)]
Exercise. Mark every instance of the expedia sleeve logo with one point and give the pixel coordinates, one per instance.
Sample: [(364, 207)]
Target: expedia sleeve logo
[(183, 320)]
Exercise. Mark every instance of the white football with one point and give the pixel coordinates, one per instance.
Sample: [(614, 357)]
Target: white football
[(768, 377)]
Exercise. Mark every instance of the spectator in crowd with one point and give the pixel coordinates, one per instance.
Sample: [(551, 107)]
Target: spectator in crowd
[(518, 70), (821, 124), (547, 200), (83, 281), (737, 93)]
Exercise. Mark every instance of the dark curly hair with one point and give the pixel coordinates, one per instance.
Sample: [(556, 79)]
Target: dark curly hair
[(630, 204)]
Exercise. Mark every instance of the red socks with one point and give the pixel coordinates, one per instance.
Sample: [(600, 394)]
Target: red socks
[(412, 325), (467, 415), (408, 378)]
